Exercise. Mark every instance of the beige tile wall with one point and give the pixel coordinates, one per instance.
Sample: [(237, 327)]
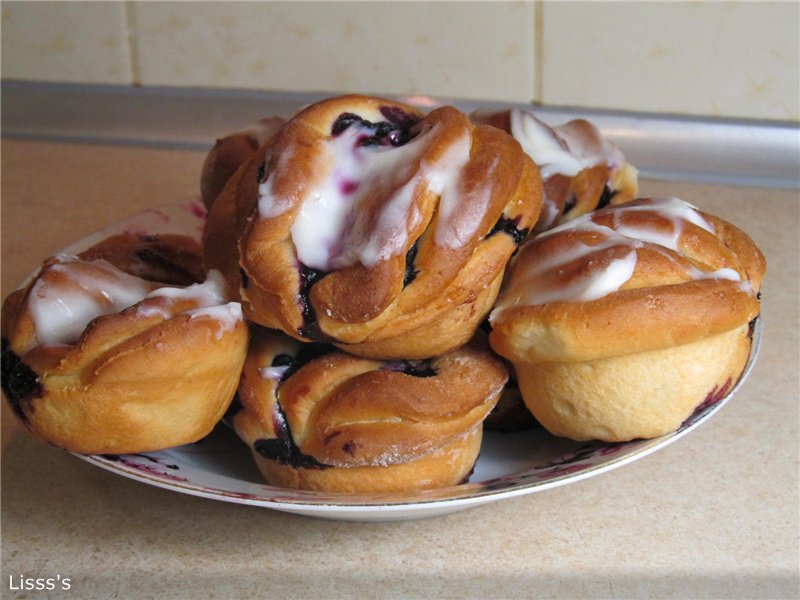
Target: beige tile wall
[(736, 59)]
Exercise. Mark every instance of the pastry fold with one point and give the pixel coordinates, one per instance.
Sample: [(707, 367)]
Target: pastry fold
[(96, 360), (318, 418), (621, 322)]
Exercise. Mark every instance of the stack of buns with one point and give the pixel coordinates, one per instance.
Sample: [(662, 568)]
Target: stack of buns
[(355, 257)]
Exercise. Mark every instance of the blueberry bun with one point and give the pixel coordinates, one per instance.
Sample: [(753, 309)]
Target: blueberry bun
[(620, 323), (369, 225), (581, 170), (96, 360), (317, 418)]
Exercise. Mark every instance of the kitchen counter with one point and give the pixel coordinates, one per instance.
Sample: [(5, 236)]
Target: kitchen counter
[(714, 515)]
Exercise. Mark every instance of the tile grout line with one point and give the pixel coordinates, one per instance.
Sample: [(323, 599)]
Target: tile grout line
[(133, 45), (538, 52)]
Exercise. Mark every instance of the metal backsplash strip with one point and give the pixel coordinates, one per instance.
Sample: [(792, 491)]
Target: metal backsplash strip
[(752, 153)]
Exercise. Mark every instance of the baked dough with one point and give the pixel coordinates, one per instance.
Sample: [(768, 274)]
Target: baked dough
[(621, 322), (317, 418), (95, 360), (582, 171)]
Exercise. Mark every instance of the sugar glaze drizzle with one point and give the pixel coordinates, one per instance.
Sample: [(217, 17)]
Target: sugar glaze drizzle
[(334, 229), (530, 287), (70, 293)]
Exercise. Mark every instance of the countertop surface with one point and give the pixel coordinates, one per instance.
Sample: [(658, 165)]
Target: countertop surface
[(713, 515)]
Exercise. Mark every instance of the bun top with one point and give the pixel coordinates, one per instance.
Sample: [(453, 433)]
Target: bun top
[(655, 264)]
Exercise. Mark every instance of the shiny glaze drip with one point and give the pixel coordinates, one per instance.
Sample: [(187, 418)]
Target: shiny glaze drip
[(334, 230), (608, 262), (564, 150), (70, 293)]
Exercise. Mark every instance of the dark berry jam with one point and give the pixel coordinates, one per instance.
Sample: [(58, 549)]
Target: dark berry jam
[(20, 383), (282, 448), (305, 355), (606, 197), (416, 368), (509, 226), (310, 328), (395, 131), (411, 271)]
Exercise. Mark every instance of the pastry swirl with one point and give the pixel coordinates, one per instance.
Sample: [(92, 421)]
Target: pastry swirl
[(318, 418), (581, 170), (620, 322), (99, 361), (372, 226)]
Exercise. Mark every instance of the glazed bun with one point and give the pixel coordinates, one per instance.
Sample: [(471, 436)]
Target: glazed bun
[(621, 322), (582, 171), (317, 418), (230, 152), (95, 360), (367, 224)]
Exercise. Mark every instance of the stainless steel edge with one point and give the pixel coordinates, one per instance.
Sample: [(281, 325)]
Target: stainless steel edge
[(735, 152)]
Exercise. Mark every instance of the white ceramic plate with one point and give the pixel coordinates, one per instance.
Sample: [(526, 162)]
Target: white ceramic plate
[(511, 464)]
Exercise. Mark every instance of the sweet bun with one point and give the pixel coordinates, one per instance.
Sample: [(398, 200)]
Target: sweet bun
[(582, 171), (317, 418), (621, 322), (230, 152), (367, 224), (95, 360)]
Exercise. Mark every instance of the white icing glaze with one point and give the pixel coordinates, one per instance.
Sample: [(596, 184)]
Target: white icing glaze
[(227, 316), (61, 310), (565, 149), (529, 287), (274, 373), (209, 293), (332, 230)]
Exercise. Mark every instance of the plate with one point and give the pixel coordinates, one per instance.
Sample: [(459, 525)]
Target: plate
[(220, 467)]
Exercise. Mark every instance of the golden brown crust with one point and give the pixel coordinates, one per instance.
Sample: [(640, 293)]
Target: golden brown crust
[(663, 303), (229, 153), (672, 328), (365, 418), (157, 374), (373, 309), (640, 395), (451, 464)]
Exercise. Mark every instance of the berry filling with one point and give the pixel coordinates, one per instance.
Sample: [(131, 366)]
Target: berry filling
[(19, 382), (305, 355), (509, 226), (396, 131), (606, 197), (417, 368), (411, 272), (310, 328), (282, 448)]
